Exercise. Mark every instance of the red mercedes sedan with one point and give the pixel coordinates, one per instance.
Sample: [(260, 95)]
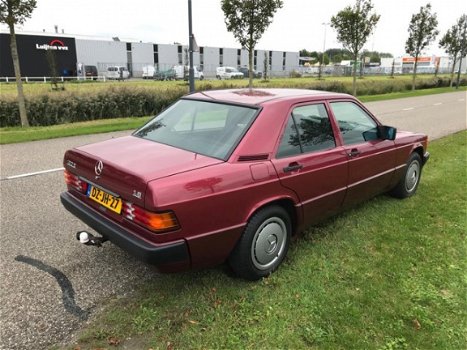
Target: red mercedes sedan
[(231, 175)]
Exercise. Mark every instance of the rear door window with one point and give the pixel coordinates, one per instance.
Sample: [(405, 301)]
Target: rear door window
[(308, 130)]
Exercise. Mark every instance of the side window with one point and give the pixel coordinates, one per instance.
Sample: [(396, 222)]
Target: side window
[(355, 124), (289, 145), (314, 128), (308, 129)]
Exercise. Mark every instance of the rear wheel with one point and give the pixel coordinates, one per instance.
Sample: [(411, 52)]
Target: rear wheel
[(263, 245), (408, 184)]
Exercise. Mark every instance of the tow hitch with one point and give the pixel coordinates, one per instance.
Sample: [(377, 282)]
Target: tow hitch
[(88, 239)]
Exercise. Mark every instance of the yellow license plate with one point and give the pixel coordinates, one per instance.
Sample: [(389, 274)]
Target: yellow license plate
[(105, 199)]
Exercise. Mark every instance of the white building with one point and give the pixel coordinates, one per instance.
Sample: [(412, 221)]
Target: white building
[(104, 52)]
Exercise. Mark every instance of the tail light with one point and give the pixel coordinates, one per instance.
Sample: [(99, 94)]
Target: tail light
[(156, 222), (75, 182)]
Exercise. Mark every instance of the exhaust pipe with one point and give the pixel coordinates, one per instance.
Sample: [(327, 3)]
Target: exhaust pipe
[(88, 239)]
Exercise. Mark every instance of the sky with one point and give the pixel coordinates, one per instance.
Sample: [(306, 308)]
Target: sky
[(297, 25)]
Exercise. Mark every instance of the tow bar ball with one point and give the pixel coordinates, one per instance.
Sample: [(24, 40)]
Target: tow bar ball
[(88, 239)]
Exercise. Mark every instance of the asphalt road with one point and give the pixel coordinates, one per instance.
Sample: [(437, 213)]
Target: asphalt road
[(50, 284)]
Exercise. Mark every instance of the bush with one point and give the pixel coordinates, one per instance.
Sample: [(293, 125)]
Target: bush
[(68, 108), (295, 74)]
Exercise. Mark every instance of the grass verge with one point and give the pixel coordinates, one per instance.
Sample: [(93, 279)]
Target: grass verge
[(405, 94), (18, 134), (389, 274)]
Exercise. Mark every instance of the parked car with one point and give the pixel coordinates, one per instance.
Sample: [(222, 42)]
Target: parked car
[(90, 72), (228, 73), (246, 73), (182, 72), (232, 175), (117, 72), (148, 72), (169, 74)]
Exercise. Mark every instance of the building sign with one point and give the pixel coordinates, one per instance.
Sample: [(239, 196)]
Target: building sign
[(412, 59), (32, 52), (55, 44)]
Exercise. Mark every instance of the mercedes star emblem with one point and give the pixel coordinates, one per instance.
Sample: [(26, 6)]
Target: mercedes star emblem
[(98, 168)]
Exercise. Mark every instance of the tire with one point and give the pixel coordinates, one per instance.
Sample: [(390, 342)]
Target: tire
[(218, 77), (408, 183), (263, 245)]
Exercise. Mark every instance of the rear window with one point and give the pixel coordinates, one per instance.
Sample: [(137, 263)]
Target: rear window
[(211, 129)]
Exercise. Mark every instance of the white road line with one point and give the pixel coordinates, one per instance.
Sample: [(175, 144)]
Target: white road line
[(437, 104), (33, 174), (408, 109)]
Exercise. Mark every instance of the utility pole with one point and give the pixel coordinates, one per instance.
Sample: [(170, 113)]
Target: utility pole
[(324, 49), (191, 77)]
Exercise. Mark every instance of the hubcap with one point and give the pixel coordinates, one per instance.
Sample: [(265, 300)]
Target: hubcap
[(268, 243), (411, 178)]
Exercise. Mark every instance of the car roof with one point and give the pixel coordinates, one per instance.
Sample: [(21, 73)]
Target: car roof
[(261, 96)]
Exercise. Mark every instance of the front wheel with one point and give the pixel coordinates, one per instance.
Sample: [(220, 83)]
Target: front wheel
[(408, 184), (263, 245)]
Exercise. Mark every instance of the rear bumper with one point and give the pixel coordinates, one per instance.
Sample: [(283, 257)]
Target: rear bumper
[(166, 254)]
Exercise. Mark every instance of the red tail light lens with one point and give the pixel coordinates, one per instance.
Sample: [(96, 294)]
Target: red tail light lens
[(75, 182), (156, 222)]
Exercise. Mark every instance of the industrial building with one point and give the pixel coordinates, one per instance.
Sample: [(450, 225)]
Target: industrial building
[(71, 52)]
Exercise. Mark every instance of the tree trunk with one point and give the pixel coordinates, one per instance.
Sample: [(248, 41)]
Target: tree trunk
[(19, 84), (452, 71), (354, 74), (320, 66), (414, 72), (459, 72), (250, 67)]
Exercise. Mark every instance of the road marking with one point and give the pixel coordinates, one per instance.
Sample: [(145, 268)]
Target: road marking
[(33, 174), (408, 109), (437, 104)]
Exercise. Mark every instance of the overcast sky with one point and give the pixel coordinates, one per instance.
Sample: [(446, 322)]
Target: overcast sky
[(296, 26)]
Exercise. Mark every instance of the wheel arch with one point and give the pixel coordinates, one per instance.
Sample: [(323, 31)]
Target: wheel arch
[(285, 202), (418, 149)]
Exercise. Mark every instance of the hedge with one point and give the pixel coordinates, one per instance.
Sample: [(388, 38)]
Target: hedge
[(67, 107)]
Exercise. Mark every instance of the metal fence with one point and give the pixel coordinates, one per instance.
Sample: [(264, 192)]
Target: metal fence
[(296, 72)]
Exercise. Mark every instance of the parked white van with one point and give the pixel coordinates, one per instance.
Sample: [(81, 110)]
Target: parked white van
[(182, 72), (117, 72), (148, 72), (228, 73)]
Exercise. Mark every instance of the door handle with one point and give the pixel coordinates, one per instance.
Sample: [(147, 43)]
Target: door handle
[(353, 152), (292, 167)]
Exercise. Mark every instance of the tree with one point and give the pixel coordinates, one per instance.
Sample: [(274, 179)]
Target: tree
[(452, 42), (16, 12), (265, 65), (354, 25), (248, 20), (422, 31), (463, 52)]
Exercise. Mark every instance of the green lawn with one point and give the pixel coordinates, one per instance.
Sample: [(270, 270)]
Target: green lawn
[(389, 274), (34, 133)]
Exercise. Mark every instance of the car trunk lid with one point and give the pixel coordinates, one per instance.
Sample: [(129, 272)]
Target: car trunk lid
[(129, 163)]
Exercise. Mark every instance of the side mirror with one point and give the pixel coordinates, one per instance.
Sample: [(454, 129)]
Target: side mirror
[(387, 132)]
